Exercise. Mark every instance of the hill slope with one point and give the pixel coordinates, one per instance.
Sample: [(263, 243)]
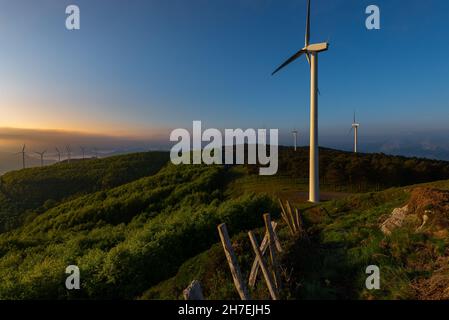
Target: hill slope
[(124, 239), (41, 188), (345, 238), (151, 236)]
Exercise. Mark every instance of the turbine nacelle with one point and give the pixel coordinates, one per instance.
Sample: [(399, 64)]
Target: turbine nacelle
[(309, 49), (316, 47)]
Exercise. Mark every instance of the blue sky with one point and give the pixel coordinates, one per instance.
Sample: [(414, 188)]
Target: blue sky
[(137, 67)]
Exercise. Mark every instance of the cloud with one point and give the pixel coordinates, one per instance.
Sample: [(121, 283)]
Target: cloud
[(11, 140)]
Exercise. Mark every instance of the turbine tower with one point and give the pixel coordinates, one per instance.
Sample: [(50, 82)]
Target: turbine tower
[(69, 153), (355, 127), (295, 138), (311, 52), (23, 155), (83, 151), (59, 154), (42, 156)]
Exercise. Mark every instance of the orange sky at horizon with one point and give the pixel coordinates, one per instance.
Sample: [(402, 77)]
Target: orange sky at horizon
[(20, 116)]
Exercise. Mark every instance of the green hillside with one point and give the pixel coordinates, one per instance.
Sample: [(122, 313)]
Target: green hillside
[(125, 239), (38, 189), (345, 238), (141, 228)]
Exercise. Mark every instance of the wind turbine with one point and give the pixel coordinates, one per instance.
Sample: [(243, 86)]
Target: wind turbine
[(311, 52), (355, 127), (295, 138), (59, 154), (42, 156), (83, 151), (23, 155), (69, 153)]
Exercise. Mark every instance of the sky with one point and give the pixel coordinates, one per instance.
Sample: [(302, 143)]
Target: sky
[(138, 69)]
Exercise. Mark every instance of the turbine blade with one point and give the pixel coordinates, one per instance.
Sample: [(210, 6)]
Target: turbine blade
[(308, 24), (290, 60), (350, 130)]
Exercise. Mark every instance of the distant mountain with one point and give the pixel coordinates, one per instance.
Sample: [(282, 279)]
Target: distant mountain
[(423, 149), (430, 145)]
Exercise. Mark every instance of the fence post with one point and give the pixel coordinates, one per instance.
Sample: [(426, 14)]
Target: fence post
[(232, 261), (272, 246), (284, 214), (292, 218), (268, 278)]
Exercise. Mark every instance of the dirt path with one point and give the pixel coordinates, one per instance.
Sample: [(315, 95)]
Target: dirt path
[(300, 196)]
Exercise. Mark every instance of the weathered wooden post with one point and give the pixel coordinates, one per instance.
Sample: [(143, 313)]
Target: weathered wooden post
[(268, 278), (272, 246), (232, 261), (298, 219), (263, 248), (287, 220), (292, 219)]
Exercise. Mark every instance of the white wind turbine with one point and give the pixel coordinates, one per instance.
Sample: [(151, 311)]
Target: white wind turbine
[(69, 153), (41, 154), (295, 138), (355, 127), (59, 154), (311, 51), (83, 151), (23, 155)]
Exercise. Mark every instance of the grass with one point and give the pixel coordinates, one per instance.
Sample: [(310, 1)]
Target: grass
[(294, 190), (345, 240)]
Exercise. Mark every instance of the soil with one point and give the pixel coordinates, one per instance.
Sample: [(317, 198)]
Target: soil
[(435, 287), (434, 204), (426, 212)]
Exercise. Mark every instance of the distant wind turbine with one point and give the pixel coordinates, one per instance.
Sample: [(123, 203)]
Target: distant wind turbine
[(355, 127), (311, 52), (42, 156), (23, 155), (69, 153), (83, 151), (295, 138), (59, 154)]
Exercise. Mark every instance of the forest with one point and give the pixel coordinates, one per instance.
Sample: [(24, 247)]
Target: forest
[(359, 172)]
